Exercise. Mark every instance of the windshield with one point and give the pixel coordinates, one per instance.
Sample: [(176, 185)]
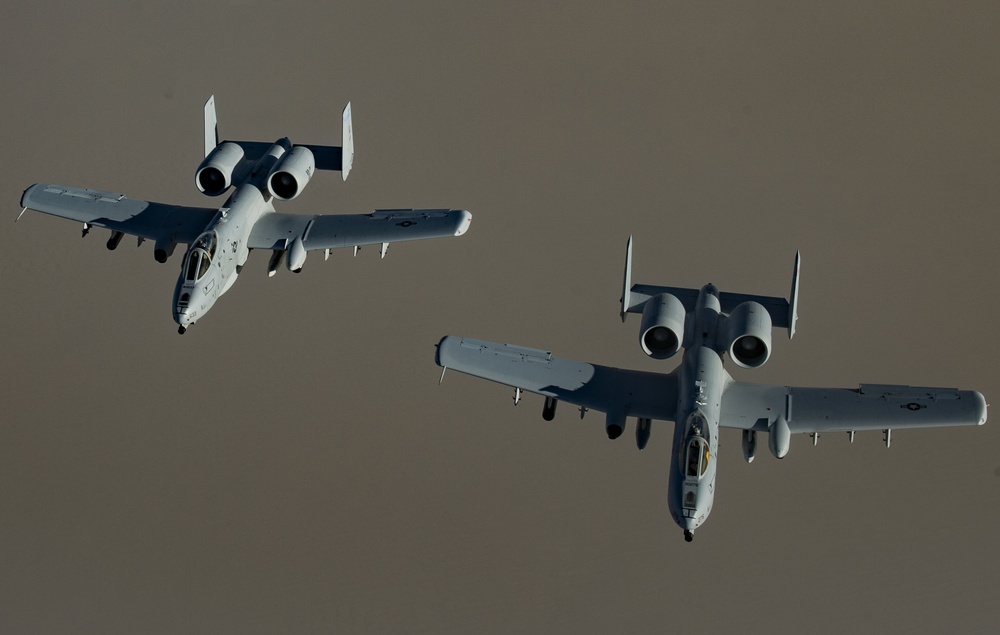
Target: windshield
[(697, 457), (191, 271), (696, 453), (200, 257), (197, 265)]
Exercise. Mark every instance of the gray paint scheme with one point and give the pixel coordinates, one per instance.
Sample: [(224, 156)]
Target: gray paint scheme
[(221, 238), (702, 395)]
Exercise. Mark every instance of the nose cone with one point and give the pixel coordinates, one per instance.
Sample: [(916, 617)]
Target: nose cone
[(184, 303), (182, 316)]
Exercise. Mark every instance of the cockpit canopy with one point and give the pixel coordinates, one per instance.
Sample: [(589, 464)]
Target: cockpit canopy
[(696, 453), (199, 257)]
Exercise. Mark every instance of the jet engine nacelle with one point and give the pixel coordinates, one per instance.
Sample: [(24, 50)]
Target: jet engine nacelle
[(662, 329), (749, 335), (215, 174), (291, 173)]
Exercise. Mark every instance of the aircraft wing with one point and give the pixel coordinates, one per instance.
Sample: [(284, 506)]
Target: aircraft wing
[(629, 392), (119, 213), (869, 407), (276, 230)]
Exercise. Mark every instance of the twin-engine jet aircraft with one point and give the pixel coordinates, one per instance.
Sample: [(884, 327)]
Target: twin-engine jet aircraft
[(700, 395), (221, 238)]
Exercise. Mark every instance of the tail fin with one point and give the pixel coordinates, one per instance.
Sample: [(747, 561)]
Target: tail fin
[(627, 284), (793, 298), (347, 139), (336, 157), (211, 126)]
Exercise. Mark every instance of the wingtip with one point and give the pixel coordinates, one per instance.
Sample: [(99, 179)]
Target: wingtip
[(464, 221), (983, 408), (437, 353)]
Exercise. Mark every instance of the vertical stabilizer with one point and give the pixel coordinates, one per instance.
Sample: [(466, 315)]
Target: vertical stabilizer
[(793, 300), (627, 284), (211, 126), (347, 155)]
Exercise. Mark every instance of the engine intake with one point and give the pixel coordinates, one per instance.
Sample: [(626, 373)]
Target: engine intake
[(291, 173), (662, 329), (749, 335), (215, 174)]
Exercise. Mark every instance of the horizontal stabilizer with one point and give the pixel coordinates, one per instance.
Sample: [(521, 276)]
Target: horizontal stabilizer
[(783, 312), (334, 158)]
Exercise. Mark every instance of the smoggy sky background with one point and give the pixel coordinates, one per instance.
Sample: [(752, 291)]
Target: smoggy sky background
[(291, 464)]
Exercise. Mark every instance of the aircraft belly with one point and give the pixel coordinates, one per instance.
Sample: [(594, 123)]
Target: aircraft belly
[(703, 381)]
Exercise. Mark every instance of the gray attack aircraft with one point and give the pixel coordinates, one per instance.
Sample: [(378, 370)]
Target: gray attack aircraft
[(699, 395), (220, 238)]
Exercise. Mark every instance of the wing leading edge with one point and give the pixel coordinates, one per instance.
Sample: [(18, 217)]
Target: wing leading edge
[(613, 390), (869, 407)]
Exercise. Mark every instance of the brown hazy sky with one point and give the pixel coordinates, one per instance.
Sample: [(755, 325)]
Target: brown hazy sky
[(291, 465)]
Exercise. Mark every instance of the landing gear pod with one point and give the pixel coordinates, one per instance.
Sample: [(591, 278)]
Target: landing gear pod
[(296, 256), (163, 248), (549, 408), (615, 424), (116, 237), (749, 445), (779, 438)]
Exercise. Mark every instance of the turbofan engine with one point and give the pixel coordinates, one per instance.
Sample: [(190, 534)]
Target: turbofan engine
[(662, 329), (215, 174), (749, 335), (291, 173)]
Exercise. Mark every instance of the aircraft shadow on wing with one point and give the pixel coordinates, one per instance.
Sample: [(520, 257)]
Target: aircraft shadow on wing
[(699, 395), (220, 238)]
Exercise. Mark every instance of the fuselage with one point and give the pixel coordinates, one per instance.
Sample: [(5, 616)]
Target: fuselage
[(702, 381), (213, 261)]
